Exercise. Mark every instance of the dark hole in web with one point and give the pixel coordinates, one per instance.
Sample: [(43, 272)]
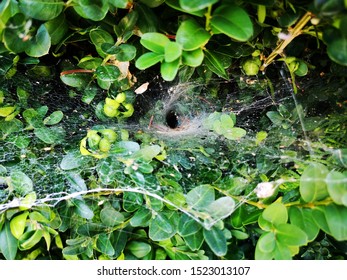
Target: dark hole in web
[(172, 119)]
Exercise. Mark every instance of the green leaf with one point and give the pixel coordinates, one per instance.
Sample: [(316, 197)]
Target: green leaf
[(107, 73), (148, 59), (139, 249), (235, 133), (8, 110), (111, 217), (57, 28), (18, 223), (213, 62), (155, 42), (169, 70), (160, 228), (141, 218), (267, 242), (78, 80), (147, 153), (190, 35), (40, 44), (194, 241), (282, 252), (303, 218), (172, 51), (54, 118), (188, 226), (76, 182), (82, 209), (126, 52), (89, 9), (41, 9), (196, 5), (11, 126), (221, 208), (313, 186), (72, 160), (99, 37), (118, 240), (290, 235), (337, 187), (337, 50), (104, 244), (216, 241), (233, 21), (8, 243), (30, 239), (50, 135), (193, 58), (91, 229), (276, 213), (199, 197), (123, 4), (21, 183), (14, 32), (132, 201), (332, 220), (176, 5)]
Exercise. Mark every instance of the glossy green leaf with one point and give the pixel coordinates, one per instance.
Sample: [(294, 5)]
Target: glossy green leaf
[(82, 209), (196, 5), (337, 50), (276, 213), (94, 10), (40, 44), (18, 223), (8, 243), (14, 33), (123, 4), (57, 28), (193, 58), (5, 111), (169, 70), (78, 80), (172, 51), (111, 217), (148, 59), (332, 220), (91, 229), (139, 249), (160, 228), (43, 10), (337, 187), (216, 241), (99, 37), (21, 183), (104, 244), (175, 4), (290, 235), (312, 182), (191, 36), (8, 9), (282, 252), (126, 52), (155, 42), (30, 239), (302, 218), (267, 242), (213, 62), (199, 197), (107, 73), (233, 21), (235, 133)]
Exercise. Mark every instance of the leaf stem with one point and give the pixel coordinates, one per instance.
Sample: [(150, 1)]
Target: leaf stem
[(208, 18), (293, 33)]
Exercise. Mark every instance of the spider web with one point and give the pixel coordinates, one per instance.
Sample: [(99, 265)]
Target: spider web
[(171, 113)]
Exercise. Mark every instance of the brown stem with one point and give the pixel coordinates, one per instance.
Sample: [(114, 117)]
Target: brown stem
[(72, 71)]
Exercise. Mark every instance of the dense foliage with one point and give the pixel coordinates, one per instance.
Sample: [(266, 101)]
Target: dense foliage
[(77, 182)]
